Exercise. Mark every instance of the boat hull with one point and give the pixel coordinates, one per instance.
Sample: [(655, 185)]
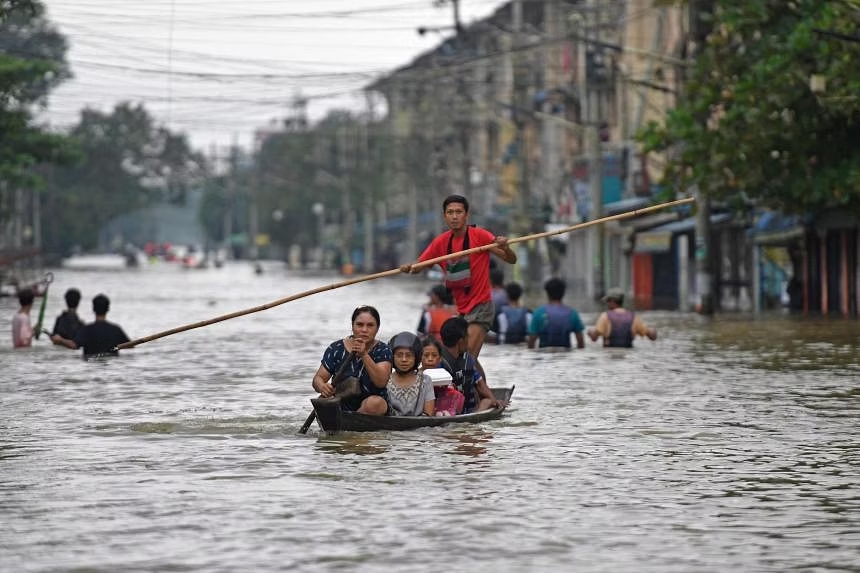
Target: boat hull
[(332, 419)]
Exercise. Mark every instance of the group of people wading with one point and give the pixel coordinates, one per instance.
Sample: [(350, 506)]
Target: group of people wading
[(392, 376), (97, 338)]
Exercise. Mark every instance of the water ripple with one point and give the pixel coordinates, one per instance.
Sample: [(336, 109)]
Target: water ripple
[(725, 445)]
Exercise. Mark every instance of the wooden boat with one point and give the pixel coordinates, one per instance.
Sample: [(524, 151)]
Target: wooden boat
[(332, 419)]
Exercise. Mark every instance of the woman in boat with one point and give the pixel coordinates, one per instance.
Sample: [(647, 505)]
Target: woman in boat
[(360, 356), (410, 393)]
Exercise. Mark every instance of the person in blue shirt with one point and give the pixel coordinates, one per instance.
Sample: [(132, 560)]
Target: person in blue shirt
[(514, 319), (359, 355), (554, 322)]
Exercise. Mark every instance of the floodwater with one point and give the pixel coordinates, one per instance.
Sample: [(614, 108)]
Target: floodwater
[(727, 445)]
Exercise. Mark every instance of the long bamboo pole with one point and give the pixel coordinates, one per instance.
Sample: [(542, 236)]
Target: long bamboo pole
[(392, 272)]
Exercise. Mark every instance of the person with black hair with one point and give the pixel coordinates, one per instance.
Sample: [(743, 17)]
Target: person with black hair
[(619, 326), (514, 319), (22, 329), (462, 366), (467, 277), (68, 323), (359, 355), (497, 289), (100, 337), (410, 391), (439, 308), (554, 322)]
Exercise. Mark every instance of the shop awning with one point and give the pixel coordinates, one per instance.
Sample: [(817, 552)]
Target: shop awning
[(775, 229), (625, 205), (659, 239), (399, 223), (633, 224)]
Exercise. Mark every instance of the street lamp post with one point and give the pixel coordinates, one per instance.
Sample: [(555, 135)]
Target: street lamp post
[(319, 210)]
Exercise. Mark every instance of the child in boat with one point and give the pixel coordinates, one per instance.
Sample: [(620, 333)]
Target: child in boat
[(410, 392), (449, 401), (431, 353), (457, 360)]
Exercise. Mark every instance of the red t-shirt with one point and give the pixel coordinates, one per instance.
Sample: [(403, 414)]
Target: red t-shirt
[(468, 277)]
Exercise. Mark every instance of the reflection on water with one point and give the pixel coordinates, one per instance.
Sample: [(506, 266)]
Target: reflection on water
[(727, 444), (789, 344), (351, 444), (469, 443)]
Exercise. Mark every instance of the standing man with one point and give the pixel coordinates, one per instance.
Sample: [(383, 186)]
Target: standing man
[(554, 322), (100, 337), (22, 329), (497, 289), (619, 326), (514, 319), (68, 323), (467, 277)]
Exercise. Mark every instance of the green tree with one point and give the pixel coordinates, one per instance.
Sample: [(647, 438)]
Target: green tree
[(339, 162), (750, 127), (128, 162), (32, 62)]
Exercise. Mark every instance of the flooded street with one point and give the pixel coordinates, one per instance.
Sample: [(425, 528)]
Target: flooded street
[(725, 445)]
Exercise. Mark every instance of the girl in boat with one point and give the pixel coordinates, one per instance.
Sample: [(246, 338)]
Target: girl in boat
[(410, 393), (449, 401), (360, 356), (431, 353)]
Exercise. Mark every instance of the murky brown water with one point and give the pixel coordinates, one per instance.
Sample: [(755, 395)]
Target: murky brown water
[(725, 445)]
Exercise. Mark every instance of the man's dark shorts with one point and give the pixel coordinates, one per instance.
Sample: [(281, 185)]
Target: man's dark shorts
[(482, 314)]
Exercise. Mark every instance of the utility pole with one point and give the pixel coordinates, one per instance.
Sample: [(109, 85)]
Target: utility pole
[(521, 217), (346, 204), (594, 68), (253, 214), (229, 199), (700, 12), (368, 215)]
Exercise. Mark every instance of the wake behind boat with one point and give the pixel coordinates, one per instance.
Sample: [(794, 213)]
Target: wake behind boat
[(332, 419)]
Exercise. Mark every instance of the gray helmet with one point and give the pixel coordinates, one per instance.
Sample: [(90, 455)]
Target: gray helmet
[(407, 340)]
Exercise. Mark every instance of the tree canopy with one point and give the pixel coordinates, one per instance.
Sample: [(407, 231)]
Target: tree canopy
[(32, 62), (326, 170), (771, 109), (127, 162)]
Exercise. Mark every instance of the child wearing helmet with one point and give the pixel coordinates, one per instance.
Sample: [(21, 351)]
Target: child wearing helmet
[(410, 393)]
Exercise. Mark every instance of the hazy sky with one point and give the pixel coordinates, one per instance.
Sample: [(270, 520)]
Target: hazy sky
[(220, 69)]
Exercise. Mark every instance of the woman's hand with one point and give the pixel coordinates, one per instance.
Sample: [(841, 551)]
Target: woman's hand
[(325, 389), (356, 346)]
